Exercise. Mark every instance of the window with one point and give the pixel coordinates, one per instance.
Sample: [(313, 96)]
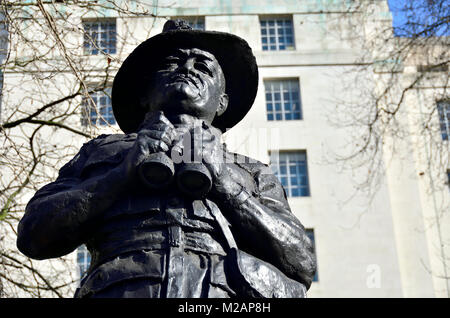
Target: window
[(444, 118), (99, 36), (98, 109), (83, 260), (283, 99), (291, 170), (448, 179), (310, 234), (277, 34)]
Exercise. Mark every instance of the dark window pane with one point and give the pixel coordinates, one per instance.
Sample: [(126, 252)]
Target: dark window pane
[(296, 174), (100, 113), (285, 94), (443, 108), (293, 170), (304, 192), (280, 31), (99, 37), (282, 92)]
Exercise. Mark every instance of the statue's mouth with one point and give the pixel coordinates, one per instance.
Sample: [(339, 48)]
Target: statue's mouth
[(186, 79)]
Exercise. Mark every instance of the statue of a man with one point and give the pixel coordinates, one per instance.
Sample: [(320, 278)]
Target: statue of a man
[(150, 232)]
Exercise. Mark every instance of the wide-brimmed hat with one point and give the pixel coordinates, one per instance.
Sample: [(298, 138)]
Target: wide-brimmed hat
[(232, 52)]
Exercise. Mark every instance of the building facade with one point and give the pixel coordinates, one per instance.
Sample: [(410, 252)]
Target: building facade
[(387, 244)]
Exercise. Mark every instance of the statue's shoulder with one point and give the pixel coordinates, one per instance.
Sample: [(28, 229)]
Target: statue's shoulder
[(109, 141), (251, 165), (104, 149), (266, 181)]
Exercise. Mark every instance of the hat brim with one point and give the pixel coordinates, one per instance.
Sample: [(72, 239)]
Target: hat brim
[(232, 52)]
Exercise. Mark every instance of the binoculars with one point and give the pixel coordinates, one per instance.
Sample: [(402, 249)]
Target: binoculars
[(158, 171)]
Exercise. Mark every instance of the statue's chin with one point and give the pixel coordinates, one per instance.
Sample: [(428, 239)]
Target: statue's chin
[(183, 91)]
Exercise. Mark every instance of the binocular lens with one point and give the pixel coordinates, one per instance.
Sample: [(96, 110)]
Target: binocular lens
[(194, 179), (157, 171)]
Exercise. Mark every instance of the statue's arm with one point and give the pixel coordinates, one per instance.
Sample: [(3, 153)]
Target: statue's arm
[(264, 226), (62, 213)]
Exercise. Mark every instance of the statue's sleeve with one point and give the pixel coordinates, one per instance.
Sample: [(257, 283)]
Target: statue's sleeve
[(65, 212), (265, 227), (45, 230)]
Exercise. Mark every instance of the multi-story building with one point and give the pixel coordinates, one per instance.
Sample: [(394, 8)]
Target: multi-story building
[(388, 244)]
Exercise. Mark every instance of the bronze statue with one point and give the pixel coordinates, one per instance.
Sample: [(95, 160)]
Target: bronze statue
[(157, 222)]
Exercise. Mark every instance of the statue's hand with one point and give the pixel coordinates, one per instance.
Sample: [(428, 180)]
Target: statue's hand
[(225, 180), (156, 134)]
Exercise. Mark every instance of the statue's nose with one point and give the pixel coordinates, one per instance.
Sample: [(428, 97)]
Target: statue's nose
[(188, 66)]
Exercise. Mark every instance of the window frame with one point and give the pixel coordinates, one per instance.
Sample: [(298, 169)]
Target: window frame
[(277, 171), (96, 116), (265, 33), (271, 105), (444, 118), (91, 46)]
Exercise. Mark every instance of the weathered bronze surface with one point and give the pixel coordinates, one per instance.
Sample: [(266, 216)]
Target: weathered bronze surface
[(164, 209)]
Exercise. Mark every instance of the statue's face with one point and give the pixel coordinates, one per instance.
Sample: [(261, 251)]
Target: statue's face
[(188, 81)]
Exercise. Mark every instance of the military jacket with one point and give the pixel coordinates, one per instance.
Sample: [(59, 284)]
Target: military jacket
[(173, 246)]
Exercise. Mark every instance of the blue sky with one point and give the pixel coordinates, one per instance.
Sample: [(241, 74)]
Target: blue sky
[(418, 16), (398, 17)]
